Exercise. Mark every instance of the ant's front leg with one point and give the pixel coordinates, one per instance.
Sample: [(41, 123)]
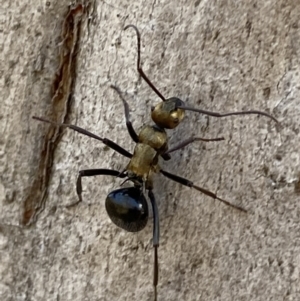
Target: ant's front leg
[(191, 140), (129, 126)]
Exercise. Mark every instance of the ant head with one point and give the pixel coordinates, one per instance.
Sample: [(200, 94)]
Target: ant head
[(167, 114), (127, 208)]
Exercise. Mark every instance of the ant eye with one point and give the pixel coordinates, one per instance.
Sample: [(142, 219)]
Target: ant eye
[(176, 120), (152, 108)]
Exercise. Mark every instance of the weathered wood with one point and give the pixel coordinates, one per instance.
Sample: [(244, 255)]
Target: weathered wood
[(217, 55)]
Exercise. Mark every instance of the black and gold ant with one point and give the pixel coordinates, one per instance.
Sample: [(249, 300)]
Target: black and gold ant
[(127, 207)]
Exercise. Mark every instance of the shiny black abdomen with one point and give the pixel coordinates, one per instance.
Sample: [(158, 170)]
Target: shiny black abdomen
[(128, 208)]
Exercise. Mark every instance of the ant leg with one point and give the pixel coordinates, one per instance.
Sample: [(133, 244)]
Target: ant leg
[(130, 128), (191, 140), (188, 183), (139, 68), (155, 240), (106, 141), (92, 173)]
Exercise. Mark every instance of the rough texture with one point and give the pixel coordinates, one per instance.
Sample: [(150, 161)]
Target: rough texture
[(217, 55)]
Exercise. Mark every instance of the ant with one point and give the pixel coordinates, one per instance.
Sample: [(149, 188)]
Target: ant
[(127, 207)]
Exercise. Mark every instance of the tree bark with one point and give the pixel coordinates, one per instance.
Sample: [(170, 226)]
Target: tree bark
[(58, 62)]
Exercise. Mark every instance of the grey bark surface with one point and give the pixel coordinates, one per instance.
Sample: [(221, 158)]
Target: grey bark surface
[(216, 55)]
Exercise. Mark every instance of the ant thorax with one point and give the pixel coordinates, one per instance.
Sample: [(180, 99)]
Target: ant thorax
[(143, 162), (155, 137)]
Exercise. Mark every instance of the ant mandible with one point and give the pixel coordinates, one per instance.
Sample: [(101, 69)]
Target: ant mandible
[(127, 207)]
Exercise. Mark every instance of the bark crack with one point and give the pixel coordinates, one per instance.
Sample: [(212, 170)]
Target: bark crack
[(63, 87)]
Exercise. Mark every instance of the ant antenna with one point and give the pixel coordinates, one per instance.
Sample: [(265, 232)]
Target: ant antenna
[(143, 75), (139, 68), (214, 114)]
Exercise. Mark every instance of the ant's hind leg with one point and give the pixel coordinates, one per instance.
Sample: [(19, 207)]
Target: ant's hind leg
[(92, 173), (155, 240)]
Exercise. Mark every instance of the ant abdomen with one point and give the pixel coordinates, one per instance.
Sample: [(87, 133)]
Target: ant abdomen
[(127, 208)]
